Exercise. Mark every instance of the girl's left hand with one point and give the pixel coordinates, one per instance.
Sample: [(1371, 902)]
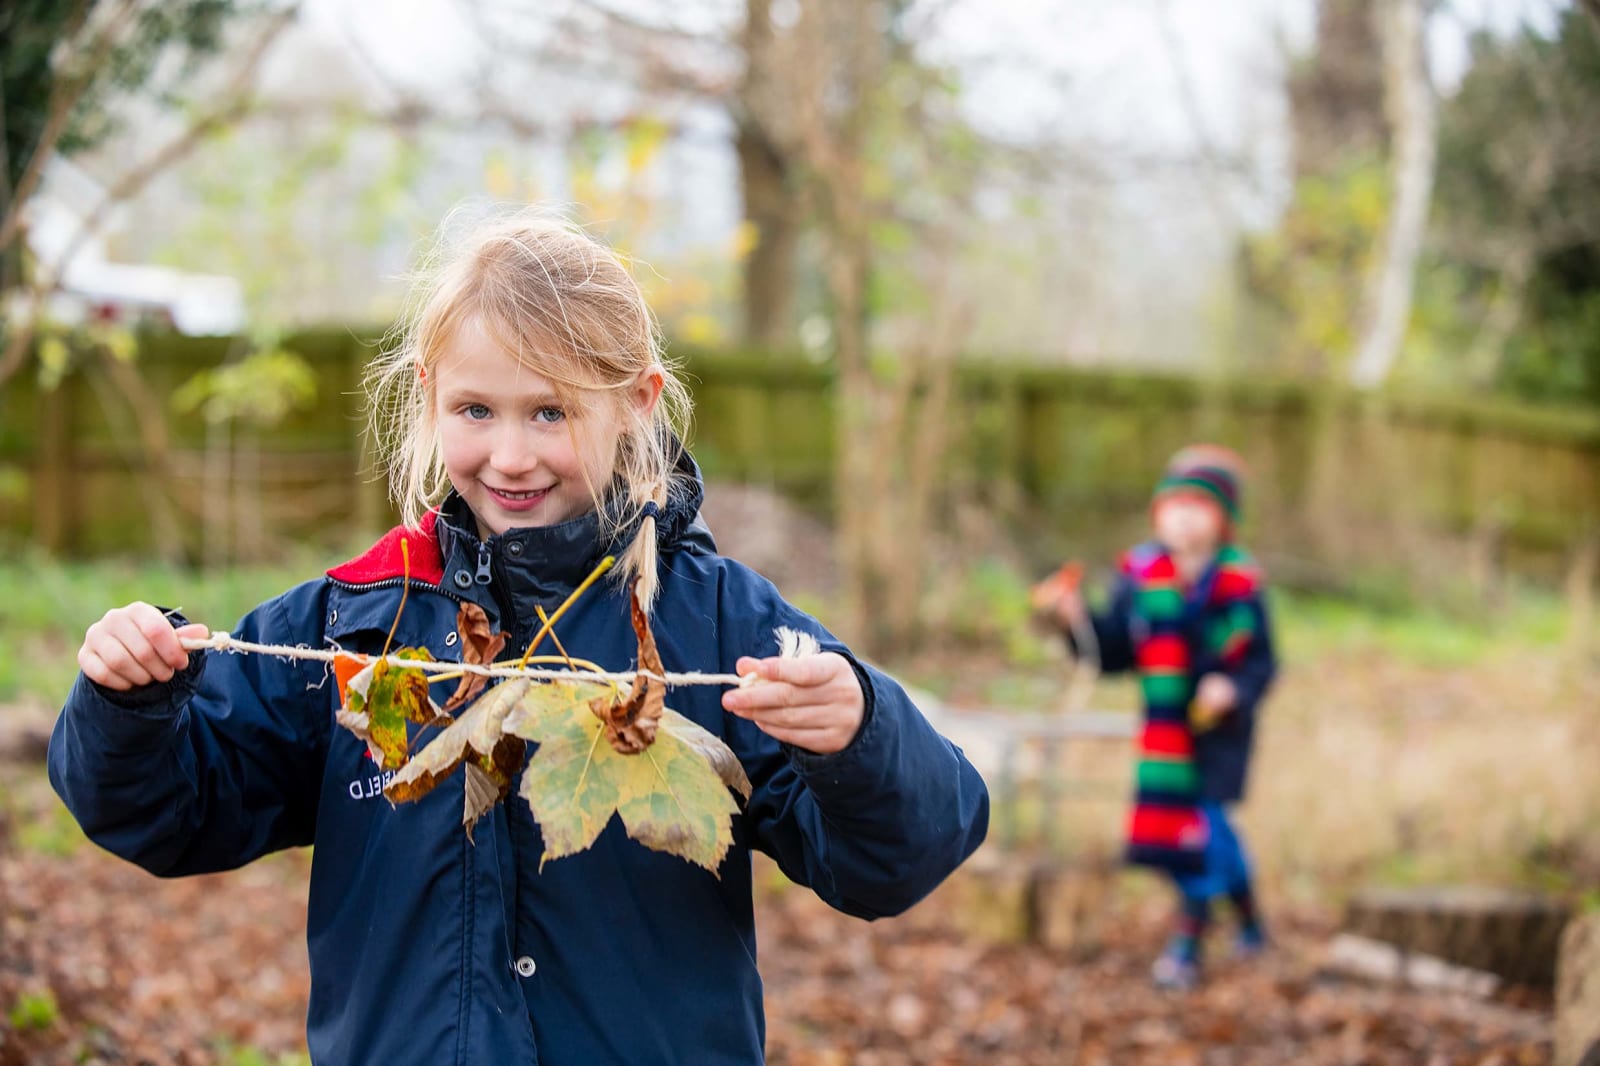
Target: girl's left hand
[(814, 702)]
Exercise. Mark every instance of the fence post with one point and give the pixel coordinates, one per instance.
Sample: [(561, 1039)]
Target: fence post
[(54, 472)]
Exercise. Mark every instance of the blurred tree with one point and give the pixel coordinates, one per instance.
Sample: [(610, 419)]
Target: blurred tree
[(66, 71), (1304, 278), (1518, 215), (847, 133), (1334, 283), (1336, 91), (1413, 119)]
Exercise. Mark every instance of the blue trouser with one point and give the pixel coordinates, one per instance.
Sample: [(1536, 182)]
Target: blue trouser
[(1227, 867)]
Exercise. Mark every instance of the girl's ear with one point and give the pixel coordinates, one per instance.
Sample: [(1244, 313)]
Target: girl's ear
[(645, 391)]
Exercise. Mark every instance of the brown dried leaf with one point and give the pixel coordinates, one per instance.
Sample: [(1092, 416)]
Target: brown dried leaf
[(631, 723), (478, 646), (478, 738)]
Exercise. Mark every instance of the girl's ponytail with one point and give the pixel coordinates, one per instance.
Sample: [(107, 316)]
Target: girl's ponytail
[(640, 559)]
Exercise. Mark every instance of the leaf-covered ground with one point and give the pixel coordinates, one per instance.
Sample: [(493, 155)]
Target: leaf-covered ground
[(101, 963)]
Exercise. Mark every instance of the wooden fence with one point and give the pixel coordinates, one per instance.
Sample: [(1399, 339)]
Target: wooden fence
[(1067, 455)]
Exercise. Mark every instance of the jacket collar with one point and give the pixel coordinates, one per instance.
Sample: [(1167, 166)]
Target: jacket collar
[(509, 573)]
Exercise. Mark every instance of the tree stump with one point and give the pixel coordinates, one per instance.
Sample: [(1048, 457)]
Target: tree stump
[(1006, 898), (1578, 994), (1514, 935)]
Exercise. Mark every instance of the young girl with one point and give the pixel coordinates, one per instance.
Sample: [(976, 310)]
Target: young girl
[(1188, 615), (529, 417)]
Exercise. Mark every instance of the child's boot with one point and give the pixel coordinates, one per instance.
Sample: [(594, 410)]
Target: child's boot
[(1178, 967)]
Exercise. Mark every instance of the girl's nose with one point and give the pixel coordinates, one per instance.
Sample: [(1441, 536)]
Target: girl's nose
[(513, 453)]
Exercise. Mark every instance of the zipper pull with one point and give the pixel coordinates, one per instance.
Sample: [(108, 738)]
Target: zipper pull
[(482, 577)]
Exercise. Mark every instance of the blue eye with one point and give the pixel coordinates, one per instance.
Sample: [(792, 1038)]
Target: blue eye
[(476, 411), (549, 414)]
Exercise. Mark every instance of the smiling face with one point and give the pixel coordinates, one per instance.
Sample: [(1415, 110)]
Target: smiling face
[(515, 451)]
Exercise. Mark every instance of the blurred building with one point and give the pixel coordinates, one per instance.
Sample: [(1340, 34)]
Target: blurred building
[(95, 287)]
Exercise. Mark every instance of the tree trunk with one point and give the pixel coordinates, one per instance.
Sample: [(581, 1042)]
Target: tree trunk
[(773, 211), (1578, 994), (1409, 93)]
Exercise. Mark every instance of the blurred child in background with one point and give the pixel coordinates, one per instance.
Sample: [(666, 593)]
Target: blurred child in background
[(1188, 615)]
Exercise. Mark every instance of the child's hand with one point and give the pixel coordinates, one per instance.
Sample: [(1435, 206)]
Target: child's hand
[(134, 646), (1070, 612), (1059, 598), (1215, 696), (813, 702)]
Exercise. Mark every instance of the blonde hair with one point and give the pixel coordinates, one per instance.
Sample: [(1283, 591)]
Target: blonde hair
[(566, 307)]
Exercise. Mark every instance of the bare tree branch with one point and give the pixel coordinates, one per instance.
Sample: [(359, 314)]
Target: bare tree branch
[(64, 96), (234, 103)]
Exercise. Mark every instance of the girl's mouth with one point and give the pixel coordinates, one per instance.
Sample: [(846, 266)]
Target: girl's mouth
[(517, 501)]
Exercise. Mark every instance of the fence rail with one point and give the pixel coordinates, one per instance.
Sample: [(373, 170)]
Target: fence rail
[(1066, 453)]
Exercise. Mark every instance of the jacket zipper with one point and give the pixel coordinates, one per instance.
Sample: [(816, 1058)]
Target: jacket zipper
[(396, 582)]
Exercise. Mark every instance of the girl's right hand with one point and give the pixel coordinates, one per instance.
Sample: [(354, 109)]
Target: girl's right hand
[(134, 646)]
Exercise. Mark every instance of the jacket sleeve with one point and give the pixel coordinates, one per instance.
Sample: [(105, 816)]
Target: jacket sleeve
[(875, 827), (1111, 633), (209, 770), (1255, 672)]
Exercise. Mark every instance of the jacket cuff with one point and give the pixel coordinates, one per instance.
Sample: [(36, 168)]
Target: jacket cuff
[(159, 699)]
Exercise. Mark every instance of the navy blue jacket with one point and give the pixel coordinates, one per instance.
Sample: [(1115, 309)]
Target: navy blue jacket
[(426, 948), (1222, 753)]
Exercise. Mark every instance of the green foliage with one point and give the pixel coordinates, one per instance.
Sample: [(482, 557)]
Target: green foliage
[(1306, 277), (152, 54), (1383, 621), (990, 610), (231, 1054), (45, 607), (60, 349), (1515, 177), (52, 832), (34, 1010), (260, 389)]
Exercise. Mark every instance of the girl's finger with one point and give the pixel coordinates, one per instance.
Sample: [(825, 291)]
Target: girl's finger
[(805, 672), (123, 664), (803, 717), (767, 696), (162, 639)]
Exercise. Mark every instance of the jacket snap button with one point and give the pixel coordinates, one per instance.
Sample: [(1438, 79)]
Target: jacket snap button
[(526, 966), (333, 616), (463, 579), (515, 547), (450, 640)]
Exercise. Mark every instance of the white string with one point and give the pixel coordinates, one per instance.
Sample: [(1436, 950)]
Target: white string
[(219, 641)]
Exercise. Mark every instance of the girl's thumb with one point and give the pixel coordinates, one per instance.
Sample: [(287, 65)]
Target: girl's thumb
[(194, 631)]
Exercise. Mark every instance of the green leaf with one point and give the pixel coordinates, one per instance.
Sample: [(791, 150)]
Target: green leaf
[(669, 796), (382, 699)]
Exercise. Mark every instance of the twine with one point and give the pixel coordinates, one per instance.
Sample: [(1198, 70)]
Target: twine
[(220, 641)]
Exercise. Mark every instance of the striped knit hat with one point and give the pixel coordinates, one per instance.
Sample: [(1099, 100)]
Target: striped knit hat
[(1208, 470)]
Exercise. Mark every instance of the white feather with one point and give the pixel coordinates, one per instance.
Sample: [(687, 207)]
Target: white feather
[(794, 644)]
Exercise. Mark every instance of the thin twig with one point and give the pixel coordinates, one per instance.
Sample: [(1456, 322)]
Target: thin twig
[(218, 641)]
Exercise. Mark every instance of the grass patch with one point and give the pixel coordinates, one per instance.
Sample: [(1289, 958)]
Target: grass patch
[(1308, 626), (230, 1054), (34, 1011), (46, 605)]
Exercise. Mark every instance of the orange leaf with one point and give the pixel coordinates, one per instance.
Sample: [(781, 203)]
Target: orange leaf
[(344, 668)]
